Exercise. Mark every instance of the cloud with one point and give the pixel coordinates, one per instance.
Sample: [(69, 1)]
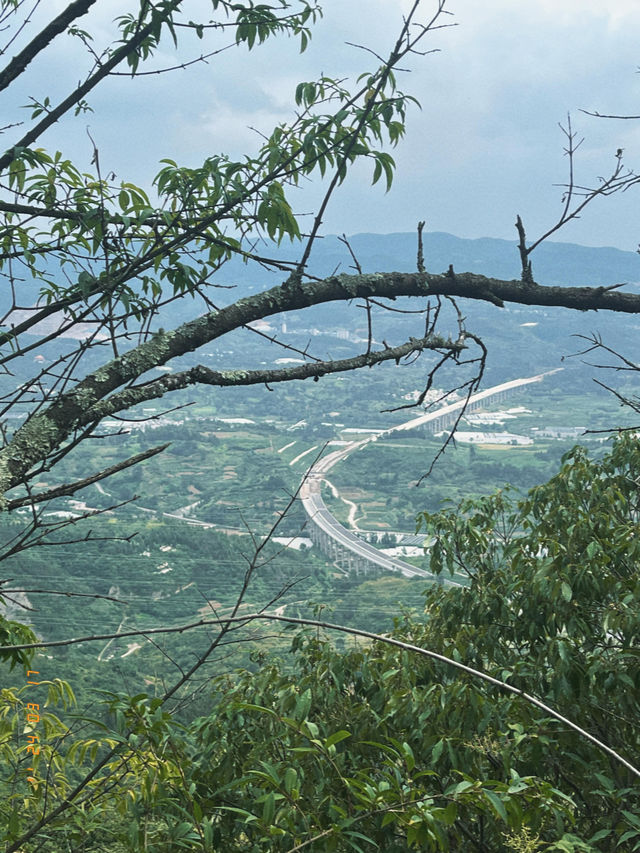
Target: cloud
[(485, 145)]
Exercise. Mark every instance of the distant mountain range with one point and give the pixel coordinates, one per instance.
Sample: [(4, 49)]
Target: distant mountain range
[(521, 339), (553, 263)]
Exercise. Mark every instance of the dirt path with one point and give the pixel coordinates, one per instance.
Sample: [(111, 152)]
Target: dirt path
[(353, 507)]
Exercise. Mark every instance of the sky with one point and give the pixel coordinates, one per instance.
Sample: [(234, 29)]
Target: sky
[(485, 146)]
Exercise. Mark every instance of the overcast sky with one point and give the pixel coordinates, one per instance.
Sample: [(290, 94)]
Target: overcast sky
[(485, 146)]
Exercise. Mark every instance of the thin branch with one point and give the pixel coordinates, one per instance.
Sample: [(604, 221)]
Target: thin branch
[(604, 115), (597, 343), (527, 274), (64, 593), (618, 180), (420, 259), (472, 386), (180, 67), (67, 489), (356, 262)]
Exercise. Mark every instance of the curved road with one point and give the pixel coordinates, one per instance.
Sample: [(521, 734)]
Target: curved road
[(315, 508)]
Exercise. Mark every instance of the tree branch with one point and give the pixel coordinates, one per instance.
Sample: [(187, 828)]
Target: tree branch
[(42, 40), (48, 429), (201, 375)]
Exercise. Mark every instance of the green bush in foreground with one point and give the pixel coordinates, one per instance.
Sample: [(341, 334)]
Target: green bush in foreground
[(376, 748)]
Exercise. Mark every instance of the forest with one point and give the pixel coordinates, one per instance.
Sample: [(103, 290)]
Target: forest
[(176, 344)]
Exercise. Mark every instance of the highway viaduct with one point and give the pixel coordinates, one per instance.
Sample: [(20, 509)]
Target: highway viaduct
[(347, 550)]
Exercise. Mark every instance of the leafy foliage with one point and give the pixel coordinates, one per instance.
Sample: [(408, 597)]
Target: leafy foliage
[(371, 748)]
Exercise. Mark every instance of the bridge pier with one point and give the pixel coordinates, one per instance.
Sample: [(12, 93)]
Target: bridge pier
[(342, 557), (441, 422)]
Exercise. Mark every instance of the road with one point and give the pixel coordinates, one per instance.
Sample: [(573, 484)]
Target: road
[(316, 510)]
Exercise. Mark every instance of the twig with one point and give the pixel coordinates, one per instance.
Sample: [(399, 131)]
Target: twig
[(71, 488), (420, 261)]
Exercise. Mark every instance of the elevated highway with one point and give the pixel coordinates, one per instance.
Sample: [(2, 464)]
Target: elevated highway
[(341, 545), (447, 415)]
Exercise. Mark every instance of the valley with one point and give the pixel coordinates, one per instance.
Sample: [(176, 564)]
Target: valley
[(236, 456)]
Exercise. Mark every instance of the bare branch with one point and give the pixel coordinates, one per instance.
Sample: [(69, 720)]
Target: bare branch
[(604, 115), (67, 489), (527, 274), (63, 592), (420, 260)]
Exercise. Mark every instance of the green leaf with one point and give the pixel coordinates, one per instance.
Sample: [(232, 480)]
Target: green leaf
[(496, 802), (627, 836), (337, 737), (633, 819), (290, 779), (86, 282), (436, 751), (269, 808)]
